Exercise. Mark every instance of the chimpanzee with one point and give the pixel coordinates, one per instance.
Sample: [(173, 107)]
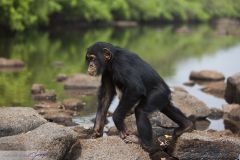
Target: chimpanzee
[(141, 87)]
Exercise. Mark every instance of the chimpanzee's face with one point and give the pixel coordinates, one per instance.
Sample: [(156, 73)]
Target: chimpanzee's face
[(93, 65), (97, 57)]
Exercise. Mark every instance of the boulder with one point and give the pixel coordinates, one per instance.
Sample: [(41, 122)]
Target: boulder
[(161, 120), (47, 142), (15, 120), (37, 88), (85, 83), (232, 92), (111, 147), (232, 111), (10, 62), (216, 89), (190, 105), (206, 75), (206, 145)]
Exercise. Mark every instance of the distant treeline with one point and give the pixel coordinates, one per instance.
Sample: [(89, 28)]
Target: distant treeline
[(21, 14)]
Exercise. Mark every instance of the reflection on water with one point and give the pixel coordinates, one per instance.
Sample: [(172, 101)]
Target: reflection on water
[(171, 53)]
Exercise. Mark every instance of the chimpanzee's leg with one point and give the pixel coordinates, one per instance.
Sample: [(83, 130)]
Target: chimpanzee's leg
[(127, 102), (177, 116)]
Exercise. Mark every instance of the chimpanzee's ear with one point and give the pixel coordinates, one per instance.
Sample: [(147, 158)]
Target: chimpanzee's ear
[(107, 54)]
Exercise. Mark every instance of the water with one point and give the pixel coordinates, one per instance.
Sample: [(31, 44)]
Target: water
[(174, 55)]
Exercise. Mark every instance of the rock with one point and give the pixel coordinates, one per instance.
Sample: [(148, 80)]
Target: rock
[(232, 111), (206, 75), (49, 95), (48, 105), (47, 142), (216, 89), (206, 145), (112, 148), (73, 104), (86, 84), (161, 120), (215, 113), (37, 89), (82, 132), (225, 26), (232, 125), (15, 120), (232, 92), (201, 124), (190, 105), (61, 77), (184, 30), (10, 62), (189, 83), (59, 116)]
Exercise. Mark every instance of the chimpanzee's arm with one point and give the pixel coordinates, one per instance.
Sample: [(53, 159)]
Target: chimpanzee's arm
[(105, 97)]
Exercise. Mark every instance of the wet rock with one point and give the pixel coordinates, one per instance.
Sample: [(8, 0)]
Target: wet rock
[(206, 145), (232, 93), (15, 120), (216, 89), (10, 62), (201, 124), (112, 148), (37, 89), (206, 75), (215, 113), (232, 111), (48, 105), (73, 104), (49, 95), (61, 77), (86, 84), (190, 105), (47, 142)]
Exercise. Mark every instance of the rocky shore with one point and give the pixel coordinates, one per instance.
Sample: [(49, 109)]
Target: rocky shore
[(47, 131)]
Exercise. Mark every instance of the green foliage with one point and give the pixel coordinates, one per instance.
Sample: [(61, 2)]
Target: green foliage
[(21, 14)]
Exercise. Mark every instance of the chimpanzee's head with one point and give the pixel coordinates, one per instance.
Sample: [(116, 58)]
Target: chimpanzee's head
[(98, 56)]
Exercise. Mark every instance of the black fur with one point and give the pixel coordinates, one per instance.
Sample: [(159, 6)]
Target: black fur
[(139, 83)]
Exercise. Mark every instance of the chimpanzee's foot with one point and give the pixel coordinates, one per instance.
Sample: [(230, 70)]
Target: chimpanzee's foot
[(96, 134), (185, 128)]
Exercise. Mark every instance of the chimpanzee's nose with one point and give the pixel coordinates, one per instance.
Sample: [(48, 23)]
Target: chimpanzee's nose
[(91, 65)]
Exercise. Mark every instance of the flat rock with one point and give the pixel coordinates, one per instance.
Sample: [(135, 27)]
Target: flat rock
[(206, 75), (15, 120), (87, 84), (232, 111), (10, 62), (232, 93), (47, 142), (111, 147), (160, 119), (216, 89), (207, 145), (61, 77), (190, 105)]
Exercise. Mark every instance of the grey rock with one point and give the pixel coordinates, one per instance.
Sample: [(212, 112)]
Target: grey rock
[(111, 147), (10, 62), (15, 120), (37, 88), (190, 105), (216, 89), (47, 142), (206, 75), (207, 145), (232, 93), (232, 111)]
